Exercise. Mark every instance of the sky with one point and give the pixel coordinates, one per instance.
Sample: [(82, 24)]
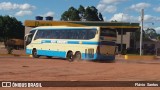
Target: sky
[(120, 10)]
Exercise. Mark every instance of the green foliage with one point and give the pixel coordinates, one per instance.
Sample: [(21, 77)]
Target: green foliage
[(10, 27), (101, 17), (88, 14), (91, 14), (151, 33), (81, 11), (65, 16), (73, 14)]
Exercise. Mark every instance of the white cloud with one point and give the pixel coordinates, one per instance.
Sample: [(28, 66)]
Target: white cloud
[(111, 9), (7, 6), (104, 18), (50, 13), (111, 1), (23, 13), (108, 5), (104, 8), (26, 6), (137, 7), (124, 17), (150, 18), (13, 6), (157, 9), (24, 9), (101, 7)]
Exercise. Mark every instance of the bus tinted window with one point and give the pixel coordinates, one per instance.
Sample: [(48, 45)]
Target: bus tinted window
[(108, 32), (32, 32), (39, 35), (65, 34), (91, 34)]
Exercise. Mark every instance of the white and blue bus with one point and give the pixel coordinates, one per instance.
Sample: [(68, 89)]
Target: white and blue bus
[(72, 43)]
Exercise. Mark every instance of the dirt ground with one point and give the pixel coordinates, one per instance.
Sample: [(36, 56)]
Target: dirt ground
[(24, 68)]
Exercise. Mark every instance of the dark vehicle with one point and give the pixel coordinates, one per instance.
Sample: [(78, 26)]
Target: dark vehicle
[(15, 43)]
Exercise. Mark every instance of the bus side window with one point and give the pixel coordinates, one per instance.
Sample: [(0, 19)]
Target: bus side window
[(71, 34), (80, 35), (48, 34), (41, 35), (57, 34), (61, 35), (65, 34), (91, 34), (75, 34), (52, 36), (84, 34)]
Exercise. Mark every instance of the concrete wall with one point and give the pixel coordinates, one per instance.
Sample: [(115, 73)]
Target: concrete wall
[(126, 39), (27, 29)]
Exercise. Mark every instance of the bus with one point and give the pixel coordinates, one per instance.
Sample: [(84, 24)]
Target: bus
[(72, 43)]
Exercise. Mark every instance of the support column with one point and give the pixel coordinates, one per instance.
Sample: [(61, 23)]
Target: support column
[(121, 40)]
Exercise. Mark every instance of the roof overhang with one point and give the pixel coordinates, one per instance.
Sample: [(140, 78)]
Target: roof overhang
[(127, 27)]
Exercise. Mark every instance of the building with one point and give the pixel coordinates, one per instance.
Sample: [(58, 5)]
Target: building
[(124, 29), (149, 47)]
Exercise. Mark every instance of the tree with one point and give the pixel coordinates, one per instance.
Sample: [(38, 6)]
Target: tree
[(88, 14), (151, 33), (10, 27), (81, 12), (100, 17), (65, 16), (91, 14), (1, 28), (73, 14)]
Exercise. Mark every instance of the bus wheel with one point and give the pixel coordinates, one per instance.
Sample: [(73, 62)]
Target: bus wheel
[(69, 56), (77, 56), (34, 53)]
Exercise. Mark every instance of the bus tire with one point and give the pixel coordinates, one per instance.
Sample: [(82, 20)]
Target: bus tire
[(70, 56), (77, 56), (34, 54)]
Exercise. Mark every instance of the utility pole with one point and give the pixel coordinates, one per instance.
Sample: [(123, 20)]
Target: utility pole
[(141, 35), (122, 35)]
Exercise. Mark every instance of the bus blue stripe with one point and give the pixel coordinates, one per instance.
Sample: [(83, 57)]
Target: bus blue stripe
[(91, 43), (82, 42), (73, 42), (46, 41)]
